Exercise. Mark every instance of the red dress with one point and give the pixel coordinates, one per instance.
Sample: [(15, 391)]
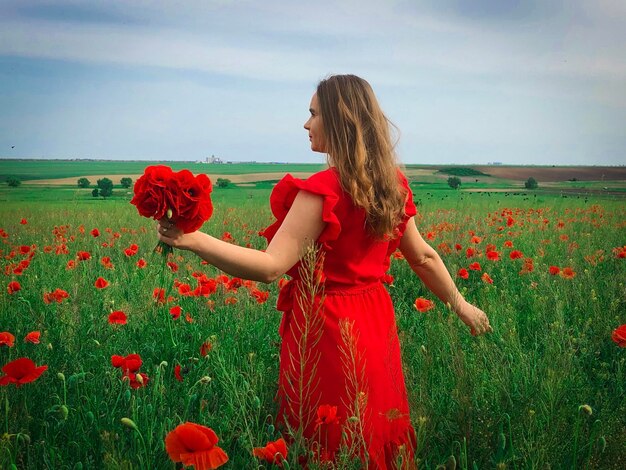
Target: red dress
[(344, 352)]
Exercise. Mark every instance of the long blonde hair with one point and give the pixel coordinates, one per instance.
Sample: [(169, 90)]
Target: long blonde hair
[(359, 145)]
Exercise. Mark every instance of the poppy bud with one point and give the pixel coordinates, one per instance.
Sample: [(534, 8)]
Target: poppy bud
[(61, 376), (424, 350), (139, 379), (502, 441), (89, 418), (49, 346), (585, 409), (63, 411), (256, 402), (353, 419), (270, 429), (205, 380), (127, 395), (129, 423), (169, 213)]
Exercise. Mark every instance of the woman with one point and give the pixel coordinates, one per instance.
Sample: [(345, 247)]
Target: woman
[(341, 380)]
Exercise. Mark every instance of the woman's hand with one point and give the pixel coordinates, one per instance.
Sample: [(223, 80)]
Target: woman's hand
[(474, 317), (170, 234)]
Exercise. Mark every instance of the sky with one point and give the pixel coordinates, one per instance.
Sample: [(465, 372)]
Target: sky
[(465, 81)]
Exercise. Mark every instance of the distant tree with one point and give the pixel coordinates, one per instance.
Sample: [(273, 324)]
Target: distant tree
[(454, 182), (13, 181), (223, 183), (105, 186), (531, 183), (83, 183), (95, 193), (126, 182)]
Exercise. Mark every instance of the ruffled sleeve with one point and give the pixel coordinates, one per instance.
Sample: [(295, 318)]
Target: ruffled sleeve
[(324, 184), (409, 211)]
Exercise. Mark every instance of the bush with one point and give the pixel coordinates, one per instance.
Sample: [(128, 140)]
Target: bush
[(531, 183), (126, 182), (454, 182), (13, 181), (94, 193), (105, 186), (83, 183), (223, 183)]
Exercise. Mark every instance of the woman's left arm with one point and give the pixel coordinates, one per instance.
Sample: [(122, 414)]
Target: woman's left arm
[(302, 225)]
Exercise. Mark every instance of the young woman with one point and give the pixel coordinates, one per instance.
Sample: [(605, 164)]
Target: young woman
[(341, 380)]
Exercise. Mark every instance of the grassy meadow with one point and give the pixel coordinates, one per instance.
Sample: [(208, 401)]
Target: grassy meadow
[(545, 390)]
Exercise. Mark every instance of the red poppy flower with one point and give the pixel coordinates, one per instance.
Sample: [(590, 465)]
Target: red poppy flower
[(458, 247), (205, 348), (493, 255), (175, 312), (23, 221), (177, 373), (486, 278), (101, 283), (554, 270), (58, 295), (326, 414), (227, 237), (117, 318), (136, 380), (387, 279), (423, 305), (476, 239), (470, 252), (398, 255), (106, 262), (273, 452), (95, 233), (515, 254), (32, 337), (619, 336), (195, 445), (508, 244), (463, 273), (474, 266), (83, 255), (7, 339), (130, 363), (20, 372), (259, 295), (141, 263), (13, 287), (230, 300), (24, 249), (71, 264), (568, 273), (173, 266)]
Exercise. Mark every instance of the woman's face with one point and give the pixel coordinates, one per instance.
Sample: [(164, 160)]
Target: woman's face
[(315, 126)]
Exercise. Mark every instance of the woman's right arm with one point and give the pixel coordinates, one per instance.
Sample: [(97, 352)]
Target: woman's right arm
[(302, 225), (428, 265)]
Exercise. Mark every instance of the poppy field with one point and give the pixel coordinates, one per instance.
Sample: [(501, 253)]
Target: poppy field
[(107, 348)]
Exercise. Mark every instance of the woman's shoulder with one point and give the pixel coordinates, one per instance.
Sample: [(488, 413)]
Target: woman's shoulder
[(328, 178)]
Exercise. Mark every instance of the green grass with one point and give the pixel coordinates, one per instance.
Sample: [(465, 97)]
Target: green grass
[(511, 398)]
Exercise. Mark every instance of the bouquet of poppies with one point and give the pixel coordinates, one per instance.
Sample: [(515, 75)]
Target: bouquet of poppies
[(180, 196)]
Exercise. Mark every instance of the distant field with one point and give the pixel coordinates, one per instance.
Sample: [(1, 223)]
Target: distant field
[(66, 171), (53, 169)]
